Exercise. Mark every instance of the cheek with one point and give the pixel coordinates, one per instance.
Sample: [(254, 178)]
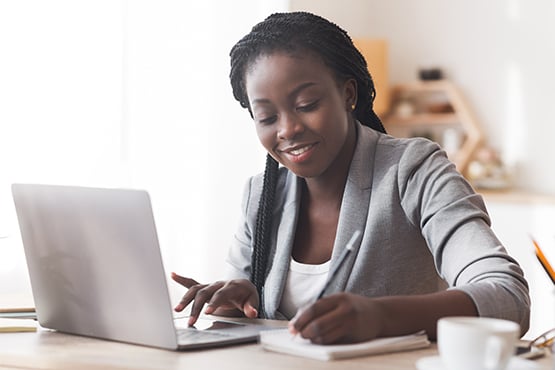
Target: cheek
[(336, 124), (266, 136)]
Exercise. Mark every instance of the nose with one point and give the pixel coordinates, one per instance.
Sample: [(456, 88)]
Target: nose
[(289, 127)]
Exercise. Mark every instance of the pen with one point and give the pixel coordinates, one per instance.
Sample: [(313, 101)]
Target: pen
[(348, 248), (543, 261)]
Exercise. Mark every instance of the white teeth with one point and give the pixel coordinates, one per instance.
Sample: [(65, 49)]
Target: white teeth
[(300, 150)]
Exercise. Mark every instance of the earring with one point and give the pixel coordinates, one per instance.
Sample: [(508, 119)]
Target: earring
[(353, 106)]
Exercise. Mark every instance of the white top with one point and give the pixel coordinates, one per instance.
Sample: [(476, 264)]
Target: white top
[(304, 283)]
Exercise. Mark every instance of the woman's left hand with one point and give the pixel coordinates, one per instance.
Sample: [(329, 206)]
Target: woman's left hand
[(339, 318)]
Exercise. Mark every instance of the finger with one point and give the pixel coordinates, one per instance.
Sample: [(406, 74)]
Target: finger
[(235, 294), (202, 296), (188, 297), (332, 334), (308, 314), (293, 322), (185, 281), (327, 328), (250, 311), (340, 324)]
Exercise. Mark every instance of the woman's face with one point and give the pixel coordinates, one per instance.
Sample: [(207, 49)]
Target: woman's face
[(302, 113)]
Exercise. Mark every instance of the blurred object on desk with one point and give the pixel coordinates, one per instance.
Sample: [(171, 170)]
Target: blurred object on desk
[(487, 171), (18, 313), (544, 261), (17, 325)]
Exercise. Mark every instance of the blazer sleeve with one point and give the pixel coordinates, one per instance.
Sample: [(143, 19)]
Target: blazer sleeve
[(455, 224), (240, 251)]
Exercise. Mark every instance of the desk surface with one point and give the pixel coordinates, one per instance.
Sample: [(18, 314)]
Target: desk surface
[(51, 350)]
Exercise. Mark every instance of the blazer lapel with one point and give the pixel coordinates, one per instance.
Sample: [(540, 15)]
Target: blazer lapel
[(285, 237), (354, 206)]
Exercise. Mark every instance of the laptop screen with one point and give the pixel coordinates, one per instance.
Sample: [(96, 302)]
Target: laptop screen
[(94, 262)]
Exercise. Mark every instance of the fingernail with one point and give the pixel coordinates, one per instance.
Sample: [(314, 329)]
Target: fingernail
[(250, 310), (292, 330), (297, 314)]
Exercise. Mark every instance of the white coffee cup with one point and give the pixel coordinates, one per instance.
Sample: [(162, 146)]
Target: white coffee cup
[(476, 343)]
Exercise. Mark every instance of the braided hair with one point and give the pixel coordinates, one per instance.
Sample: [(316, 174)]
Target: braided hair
[(296, 32)]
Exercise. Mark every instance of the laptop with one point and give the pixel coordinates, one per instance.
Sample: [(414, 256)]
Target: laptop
[(96, 270)]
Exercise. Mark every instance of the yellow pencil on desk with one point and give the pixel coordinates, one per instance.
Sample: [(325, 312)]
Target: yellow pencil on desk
[(543, 261)]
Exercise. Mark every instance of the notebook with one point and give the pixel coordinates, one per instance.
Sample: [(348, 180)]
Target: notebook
[(96, 270), (282, 341), (10, 325)]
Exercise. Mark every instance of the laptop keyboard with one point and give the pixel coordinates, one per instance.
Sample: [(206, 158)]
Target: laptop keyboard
[(200, 336)]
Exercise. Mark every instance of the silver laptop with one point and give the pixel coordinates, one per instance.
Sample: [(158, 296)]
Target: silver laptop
[(96, 270)]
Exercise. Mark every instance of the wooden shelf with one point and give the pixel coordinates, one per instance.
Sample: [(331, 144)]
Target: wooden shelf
[(424, 119), (435, 109), (517, 196)]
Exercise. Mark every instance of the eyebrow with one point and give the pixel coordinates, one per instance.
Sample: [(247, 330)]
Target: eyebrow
[(295, 91)]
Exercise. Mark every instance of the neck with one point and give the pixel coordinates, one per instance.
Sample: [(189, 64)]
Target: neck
[(330, 185)]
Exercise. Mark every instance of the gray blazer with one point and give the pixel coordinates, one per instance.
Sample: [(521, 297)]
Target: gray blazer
[(424, 229)]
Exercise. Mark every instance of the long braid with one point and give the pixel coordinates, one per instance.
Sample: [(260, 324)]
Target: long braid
[(259, 258), (296, 32)]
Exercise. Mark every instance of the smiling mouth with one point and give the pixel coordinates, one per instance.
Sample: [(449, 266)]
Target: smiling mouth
[(299, 151), (299, 154)]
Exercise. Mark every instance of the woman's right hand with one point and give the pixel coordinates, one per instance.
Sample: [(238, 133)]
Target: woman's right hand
[(222, 297)]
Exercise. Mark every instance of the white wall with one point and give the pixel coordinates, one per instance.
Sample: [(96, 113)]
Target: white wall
[(500, 53), (128, 93), (534, 218), (189, 142), (60, 108)]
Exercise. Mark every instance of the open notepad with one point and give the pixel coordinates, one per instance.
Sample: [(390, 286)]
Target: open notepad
[(282, 341)]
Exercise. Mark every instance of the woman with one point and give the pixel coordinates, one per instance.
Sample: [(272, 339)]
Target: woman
[(423, 228)]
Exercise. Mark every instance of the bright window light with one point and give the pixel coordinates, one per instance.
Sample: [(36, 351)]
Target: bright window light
[(128, 94)]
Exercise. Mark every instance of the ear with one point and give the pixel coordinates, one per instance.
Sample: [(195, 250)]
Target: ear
[(350, 94)]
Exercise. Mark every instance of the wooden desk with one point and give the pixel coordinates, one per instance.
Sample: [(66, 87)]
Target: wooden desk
[(52, 350)]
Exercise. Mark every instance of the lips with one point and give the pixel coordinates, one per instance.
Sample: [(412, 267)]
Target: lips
[(301, 150), (299, 153)]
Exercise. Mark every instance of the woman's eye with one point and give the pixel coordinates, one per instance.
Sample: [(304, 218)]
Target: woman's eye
[(308, 107), (267, 120)]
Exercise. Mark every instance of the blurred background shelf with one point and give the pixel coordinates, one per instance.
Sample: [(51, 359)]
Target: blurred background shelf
[(435, 110)]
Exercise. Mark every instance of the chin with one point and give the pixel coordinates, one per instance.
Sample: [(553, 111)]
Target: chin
[(305, 173)]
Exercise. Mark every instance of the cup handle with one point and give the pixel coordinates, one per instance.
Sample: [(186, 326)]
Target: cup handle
[(494, 352)]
